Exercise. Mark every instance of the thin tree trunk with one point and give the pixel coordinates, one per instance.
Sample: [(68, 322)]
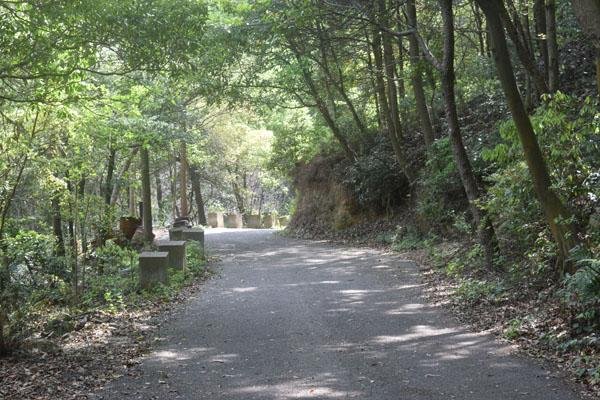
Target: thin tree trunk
[(320, 103), (380, 83), (196, 188), (417, 77), (373, 80), (57, 227), (395, 128), (483, 50), (116, 189), (539, 14), (146, 195), (468, 178), (110, 170), (525, 56), (588, 14), (553, 71), (131, 201), (557, 215), (183, 171), (159, 192)]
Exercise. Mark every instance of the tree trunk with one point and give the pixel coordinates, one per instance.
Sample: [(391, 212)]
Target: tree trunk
[(556, 213), (588, 14), (159, 192), (110, 170), (116, 187), (539, 15), (468, 178), (195, 178), (523, 52), (374, 84), (74, 253), (553, 70), (395, 128), (417, 77), (146, 195), (380, 83), (183, 170), (57, 227), (131, 202)]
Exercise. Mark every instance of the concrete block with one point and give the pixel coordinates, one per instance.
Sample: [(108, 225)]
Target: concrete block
[(176, 234), (195, 234), (253, 221), (176, 250), (153, 268), (284, 221), (233, 221), (270, 221), (215, 220)]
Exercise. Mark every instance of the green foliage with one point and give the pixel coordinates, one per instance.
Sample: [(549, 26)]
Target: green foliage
[(513, 331), (406, 238), (195, 258), (374, 178), (440, 190), (473, 291), (581, 294), (112, 258), (568, 135)]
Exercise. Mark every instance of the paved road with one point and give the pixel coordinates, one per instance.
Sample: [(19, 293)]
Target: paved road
[(293, 319)]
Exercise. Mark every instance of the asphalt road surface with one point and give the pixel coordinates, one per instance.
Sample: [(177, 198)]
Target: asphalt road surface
[(291, 319)]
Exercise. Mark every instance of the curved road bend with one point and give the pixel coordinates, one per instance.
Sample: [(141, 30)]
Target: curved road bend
[(291, 319)]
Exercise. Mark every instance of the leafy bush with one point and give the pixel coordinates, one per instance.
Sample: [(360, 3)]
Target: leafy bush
[(568, 134), (375, 177), (440, 191), (473, 291), (112, 258), (581, 294)]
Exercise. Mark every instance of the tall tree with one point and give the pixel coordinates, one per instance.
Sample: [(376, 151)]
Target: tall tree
[(557, 215)]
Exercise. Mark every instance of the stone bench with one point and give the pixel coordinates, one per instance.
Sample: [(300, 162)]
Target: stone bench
[(215, 220), (253, 221), (153, 268), (176, 250), (233, 221)]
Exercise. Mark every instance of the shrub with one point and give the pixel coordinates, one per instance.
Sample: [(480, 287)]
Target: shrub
[(581, 294), (474, 291), (440, 190), (567, 131)]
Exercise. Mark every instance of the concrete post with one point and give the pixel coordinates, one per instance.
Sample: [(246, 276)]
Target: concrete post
[(176, 234), (215, 220), (284, 221), (233, 221), (195, 234), (176, 250), (153, 269), (253, 221)]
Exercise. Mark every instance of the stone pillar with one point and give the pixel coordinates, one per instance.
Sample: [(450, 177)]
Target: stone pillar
[(270, 221), (253, 221), (195, 234), (215, 220), (176, 250), (284, 221), (153, 269), (233, 221), (176, 234)]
